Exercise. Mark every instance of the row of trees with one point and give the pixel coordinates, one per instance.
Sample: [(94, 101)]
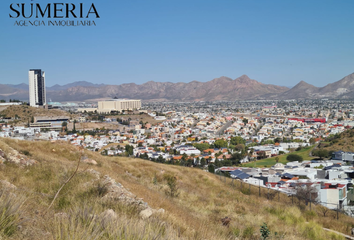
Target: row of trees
[(11, 100)]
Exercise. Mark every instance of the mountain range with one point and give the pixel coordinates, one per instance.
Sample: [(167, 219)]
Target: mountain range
[(218, 89)]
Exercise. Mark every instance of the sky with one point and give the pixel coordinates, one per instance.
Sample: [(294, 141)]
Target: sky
[(136, 41)]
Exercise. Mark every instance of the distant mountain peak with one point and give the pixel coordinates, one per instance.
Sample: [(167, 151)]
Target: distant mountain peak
[(303, 84), (244, 76)]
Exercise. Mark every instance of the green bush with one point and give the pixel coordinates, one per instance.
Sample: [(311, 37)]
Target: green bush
[(294, 157), (264, 231)]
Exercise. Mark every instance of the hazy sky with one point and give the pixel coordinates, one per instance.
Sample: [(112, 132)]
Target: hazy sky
[(276, 42)]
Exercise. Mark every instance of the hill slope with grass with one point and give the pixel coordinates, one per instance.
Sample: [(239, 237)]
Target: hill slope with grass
[(127, 198), (343, 141), (25, 113)]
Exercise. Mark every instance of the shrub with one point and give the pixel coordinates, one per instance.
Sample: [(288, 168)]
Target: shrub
[(211, 168), (173, 189), (264, 231), (294, 157)]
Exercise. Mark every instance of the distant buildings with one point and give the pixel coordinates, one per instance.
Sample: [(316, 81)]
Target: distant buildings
[(118, 105), (37, 93), (49, 123)]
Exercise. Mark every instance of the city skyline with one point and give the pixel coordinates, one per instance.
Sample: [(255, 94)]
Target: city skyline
[(273, 42)]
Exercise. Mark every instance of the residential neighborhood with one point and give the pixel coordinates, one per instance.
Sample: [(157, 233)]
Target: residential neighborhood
[(217, 137)]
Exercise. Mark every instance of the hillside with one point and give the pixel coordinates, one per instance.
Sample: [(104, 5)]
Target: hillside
[(341, 89), (115, 198), (300, 90), (343, 141), (25, 113)]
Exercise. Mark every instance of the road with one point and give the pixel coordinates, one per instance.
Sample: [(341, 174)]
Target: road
[(223, 128)]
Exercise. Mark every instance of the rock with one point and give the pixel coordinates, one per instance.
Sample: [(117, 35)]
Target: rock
[(14, 156), (94, 172), (89, 161), (2, 154), (7, 186), (144, 214), (108, 216), (114, 191), (2, 157), (161, 211), (53, 150)]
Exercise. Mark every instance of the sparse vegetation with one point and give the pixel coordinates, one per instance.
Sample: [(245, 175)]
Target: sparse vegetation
[(25, 113), (203, 199), (173, 190), (10, 213)]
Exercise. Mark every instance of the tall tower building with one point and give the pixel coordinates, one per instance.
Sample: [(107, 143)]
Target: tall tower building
[(37, 94)]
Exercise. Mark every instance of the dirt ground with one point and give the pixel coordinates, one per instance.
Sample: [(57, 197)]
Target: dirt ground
[(92, 126), (3, 108)]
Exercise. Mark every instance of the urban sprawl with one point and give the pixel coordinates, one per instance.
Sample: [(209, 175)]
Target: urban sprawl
[(244, 140), (220, 137)]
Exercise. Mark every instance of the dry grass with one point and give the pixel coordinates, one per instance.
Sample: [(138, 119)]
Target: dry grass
[(140, 117), (92, 126), (344, 141), (195, 214)]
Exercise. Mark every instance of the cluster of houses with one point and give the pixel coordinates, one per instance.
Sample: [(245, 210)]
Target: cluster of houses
[(331, 181)]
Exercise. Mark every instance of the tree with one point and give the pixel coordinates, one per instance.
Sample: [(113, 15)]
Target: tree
[(261, 155), (277, 159), (218, 163), (322, 210), (294, 157), (227, 163), (235, 158), (173, 189), (129, 149), (321, 153), (211, 168), (64, 126), (160, 159), (202, 162), (220, 143), (74, 128), (306, 192), (312, 141), (237, 140), (201, 146), (240, 147)]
